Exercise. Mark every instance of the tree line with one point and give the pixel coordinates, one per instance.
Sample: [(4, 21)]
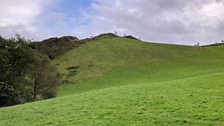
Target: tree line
[(25, 74)]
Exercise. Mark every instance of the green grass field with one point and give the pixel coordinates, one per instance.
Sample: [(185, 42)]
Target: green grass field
[(122, 82)]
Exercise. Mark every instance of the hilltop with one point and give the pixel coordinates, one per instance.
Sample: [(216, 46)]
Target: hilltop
[(121, 81), (54, 47)]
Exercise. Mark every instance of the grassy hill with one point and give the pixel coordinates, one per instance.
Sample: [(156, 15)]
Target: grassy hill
[(121, 61), (120, 81)]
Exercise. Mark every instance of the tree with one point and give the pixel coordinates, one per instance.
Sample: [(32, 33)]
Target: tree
[(15, 60), (45, 78), (197, 44), (25, 73)]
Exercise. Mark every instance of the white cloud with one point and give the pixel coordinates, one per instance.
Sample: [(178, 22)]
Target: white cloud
[(20, 16)]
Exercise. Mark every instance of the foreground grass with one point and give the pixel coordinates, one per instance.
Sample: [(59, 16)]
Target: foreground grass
[(190, 101), (126, 82)]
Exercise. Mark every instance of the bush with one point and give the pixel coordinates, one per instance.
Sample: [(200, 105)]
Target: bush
[(49, 94)]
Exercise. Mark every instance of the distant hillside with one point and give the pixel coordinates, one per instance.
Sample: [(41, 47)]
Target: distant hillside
[(106, 35), (56, 46), (216, 44), (111, 35), (131, 37)]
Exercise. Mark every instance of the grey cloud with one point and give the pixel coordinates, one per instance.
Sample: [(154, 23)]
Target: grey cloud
[(172, 21), (10, 31)]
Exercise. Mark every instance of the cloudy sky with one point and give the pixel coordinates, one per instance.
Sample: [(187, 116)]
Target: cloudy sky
[(169, 21)]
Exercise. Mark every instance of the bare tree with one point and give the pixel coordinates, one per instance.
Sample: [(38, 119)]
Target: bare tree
[(197, 44)]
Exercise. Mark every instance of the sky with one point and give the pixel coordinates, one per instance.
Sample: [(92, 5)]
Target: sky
[(168, 21)]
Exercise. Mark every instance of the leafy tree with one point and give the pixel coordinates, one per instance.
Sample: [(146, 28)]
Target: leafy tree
[(15, 60), (25, 73), (45, 78)]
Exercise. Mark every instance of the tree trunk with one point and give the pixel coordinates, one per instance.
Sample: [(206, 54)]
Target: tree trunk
[(35, 88)]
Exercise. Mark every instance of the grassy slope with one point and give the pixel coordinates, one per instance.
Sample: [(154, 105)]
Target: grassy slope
[(119, 61), (126, 82)]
